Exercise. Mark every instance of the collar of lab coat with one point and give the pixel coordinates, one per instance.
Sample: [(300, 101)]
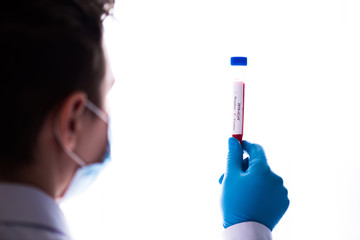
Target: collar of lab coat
[(21, 204)]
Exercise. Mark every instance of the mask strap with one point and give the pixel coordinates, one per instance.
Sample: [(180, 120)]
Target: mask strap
[(103, 116), (70, 153)]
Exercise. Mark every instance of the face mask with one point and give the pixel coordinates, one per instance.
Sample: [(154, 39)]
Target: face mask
[(86, 174)]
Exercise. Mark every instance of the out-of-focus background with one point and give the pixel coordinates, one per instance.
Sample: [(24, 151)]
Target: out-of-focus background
[(172, 116)]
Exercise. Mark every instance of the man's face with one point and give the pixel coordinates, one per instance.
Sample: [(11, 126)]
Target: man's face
[(94, 140), (107, 82)]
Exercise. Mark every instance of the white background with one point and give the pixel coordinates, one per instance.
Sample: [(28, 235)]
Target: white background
[(172, 116)]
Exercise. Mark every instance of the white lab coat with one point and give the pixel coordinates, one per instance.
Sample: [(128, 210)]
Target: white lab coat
[(247, 231), (27, 213)]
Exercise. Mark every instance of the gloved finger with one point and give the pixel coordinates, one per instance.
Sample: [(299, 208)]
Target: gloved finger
[(221, 179), (278, 180), (235, 156), (256, 153)]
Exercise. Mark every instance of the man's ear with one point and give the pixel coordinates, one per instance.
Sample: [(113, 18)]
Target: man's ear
[(68, 122)]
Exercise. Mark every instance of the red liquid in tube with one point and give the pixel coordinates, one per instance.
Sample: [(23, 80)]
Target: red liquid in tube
[(238, 110)]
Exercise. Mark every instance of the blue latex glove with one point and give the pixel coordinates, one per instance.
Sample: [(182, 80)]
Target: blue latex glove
[(252, 194)]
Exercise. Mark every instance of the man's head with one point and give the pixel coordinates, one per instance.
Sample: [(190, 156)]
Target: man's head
[(53, 62)]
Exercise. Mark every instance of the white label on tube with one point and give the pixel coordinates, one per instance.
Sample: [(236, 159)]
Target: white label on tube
[(238, 107)]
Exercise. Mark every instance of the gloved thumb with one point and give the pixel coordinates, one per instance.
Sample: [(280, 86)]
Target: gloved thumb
[(235, 156), (221, 179)]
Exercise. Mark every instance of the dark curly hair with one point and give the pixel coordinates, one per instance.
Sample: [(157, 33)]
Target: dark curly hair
[(49, 49)]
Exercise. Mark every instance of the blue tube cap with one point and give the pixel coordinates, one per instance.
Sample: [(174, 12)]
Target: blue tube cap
[(239, 61)]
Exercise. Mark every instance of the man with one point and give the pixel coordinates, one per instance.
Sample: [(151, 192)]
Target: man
[(54, 125)]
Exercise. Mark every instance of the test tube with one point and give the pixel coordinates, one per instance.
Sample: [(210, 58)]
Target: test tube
[(239, 97)]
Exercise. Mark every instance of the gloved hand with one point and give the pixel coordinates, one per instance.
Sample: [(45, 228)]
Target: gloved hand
[(252, 194)]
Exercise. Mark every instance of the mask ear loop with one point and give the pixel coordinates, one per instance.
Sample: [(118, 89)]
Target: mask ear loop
[(103, 116), (70, 153)]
